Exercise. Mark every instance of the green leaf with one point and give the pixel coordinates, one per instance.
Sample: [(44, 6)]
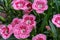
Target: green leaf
[(1, 8), (6, 3), (1, 18), (53, 29), (57, 6)]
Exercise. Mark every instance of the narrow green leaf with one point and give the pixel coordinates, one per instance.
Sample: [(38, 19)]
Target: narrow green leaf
[(1, 18), (53, 29), (1, 7), (57, 6), (6, 3)]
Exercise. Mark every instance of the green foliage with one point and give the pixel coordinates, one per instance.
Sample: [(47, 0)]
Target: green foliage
[(41, 19)]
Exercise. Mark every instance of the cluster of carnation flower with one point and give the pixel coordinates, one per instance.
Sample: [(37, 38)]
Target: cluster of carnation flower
[(39, 5), (21, 28)]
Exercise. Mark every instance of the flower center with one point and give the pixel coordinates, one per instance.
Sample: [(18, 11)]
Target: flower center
[(28, 22), (23, 30), (6, 32), (20, 5), (40, 6), (40, 39), (28, 8)]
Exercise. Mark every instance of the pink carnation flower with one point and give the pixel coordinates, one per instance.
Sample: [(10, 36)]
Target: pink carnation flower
[(19, 4), (6, 31), (29, 8), (39, 37), (15, 21), (56, 20), (1, 26), (21, 31), (29, 20), (40, 5)]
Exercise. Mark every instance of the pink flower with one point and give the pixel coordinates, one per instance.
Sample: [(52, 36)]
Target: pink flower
[(40, 5), (56, 20), (21, 31), (29, 20), (15, 21), (39, 37), (6, 31), (1, 26), (29, 8), (19, 4)]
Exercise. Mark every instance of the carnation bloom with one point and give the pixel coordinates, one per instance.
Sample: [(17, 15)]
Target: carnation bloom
[(15, 21), (21, 31), (40, 5), (29, 20), (19, 4), (6, 31), (39, 37), (29, 8), (56, 20), (1, 26)]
